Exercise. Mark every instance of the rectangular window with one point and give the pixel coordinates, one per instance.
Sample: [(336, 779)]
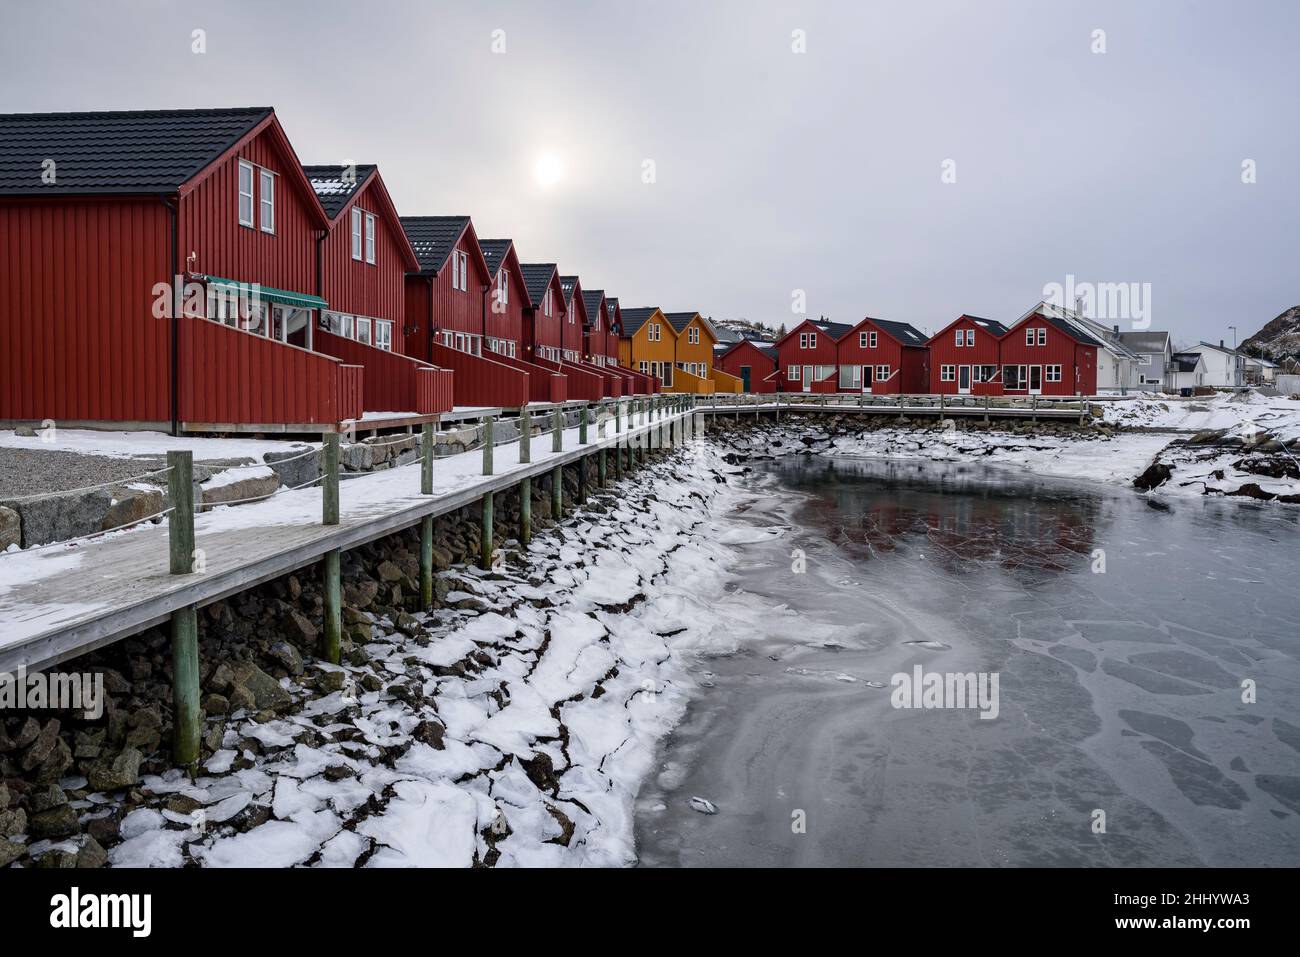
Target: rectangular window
[(1029, 337), (850, 377), (961, 338), (546, 303), (370, 238), (947, 373), (384, 334), (882, 373), (643, 366), (1053, 373), (356, 234), (363, 329), (862, 340), (1013, 378), (464, 271), (245, 193), (1042, 336), (268, 201), (871, 340), (803, 340), (970, 337), (503, 287), (793, 373), (812, 340)]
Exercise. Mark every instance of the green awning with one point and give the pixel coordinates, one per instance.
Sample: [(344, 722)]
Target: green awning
[(248, 290)]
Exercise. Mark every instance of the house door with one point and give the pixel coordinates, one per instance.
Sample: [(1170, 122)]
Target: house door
[(807, 378), (744, 378), (963, 380), (867, 377), (1035, 380)]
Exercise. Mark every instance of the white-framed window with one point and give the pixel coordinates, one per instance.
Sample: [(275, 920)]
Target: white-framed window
[(348, 327), (1053, 373), (546, 303), (882, 373), (1042, 335), (363, 329), (384, 334), (1029, 337), (370, 238), (643, 366), (862, 340), (850, 377), (572, 313), (803, 340), (1013, 378), (793, 373), (970, 337), (266, 203), (812, 340), (356, 234), (693, 335), (947, 373), (654, 334), (245, 193), (961, 338), (503, 287)]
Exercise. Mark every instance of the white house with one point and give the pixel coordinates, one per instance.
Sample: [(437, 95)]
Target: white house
[(1155, 354), (1224, 368), (1116, 363), (1260, 371), (1187, 370)]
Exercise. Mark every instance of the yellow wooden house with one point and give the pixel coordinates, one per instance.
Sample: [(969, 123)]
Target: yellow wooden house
[(696, 342), (648, 343)]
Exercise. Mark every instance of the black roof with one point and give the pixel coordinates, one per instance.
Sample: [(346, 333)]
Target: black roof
[(433, 238), (905, 333), (537, 276), (591, 299), (767, 348), (836, 330), (335, 185), (136, 151), (680, 320), (991, 325), (1186, 361), (634, 319), (494, 251)]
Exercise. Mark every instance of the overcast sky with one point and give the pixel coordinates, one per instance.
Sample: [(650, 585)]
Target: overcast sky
[(774, 170)]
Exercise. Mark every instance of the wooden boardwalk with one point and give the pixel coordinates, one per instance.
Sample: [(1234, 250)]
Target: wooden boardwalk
[(63, 602)]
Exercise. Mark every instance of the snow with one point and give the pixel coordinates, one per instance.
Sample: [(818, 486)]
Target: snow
[(426, 825), (240, 474), (126, 445)]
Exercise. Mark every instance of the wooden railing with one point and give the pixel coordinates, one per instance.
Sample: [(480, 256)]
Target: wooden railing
[(686, 382), (394, 383), (480, 380)]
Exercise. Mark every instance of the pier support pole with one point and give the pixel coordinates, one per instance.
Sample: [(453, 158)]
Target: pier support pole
[(489, 444), (986, 410), (557, 436), (187, 722), (525, 511), (332, 585), (426, 523), (557, 492), (582, 424), (603, 465), (618, 460), (525, 436), (583, 462), (485, 535)]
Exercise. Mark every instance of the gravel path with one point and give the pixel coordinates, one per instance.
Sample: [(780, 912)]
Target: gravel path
[(33, 471)]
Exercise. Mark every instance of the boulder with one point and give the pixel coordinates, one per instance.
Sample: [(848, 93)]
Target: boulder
[(133, 505), (58, 517), (55, 823), (116, 774), (287, 655), (11, 528), (42, 746), (267, 695), (293, 466), (10, 852), (13, 822), (298, 629), (238, 485), (1156, 474), (358, 457)]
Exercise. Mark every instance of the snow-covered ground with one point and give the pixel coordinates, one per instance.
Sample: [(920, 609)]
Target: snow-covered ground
[(551, 697), (129, 445), (1221, 411)]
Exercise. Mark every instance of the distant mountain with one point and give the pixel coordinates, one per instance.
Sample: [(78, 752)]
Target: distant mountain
[(744, 329), (1279, 339)]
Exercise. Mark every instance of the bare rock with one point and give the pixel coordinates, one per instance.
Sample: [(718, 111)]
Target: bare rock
[(265, 691), (118, 774), (55, 823), (10, 852)]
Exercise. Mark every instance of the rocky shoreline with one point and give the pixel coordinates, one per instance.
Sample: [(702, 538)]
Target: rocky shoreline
[(491, 718)]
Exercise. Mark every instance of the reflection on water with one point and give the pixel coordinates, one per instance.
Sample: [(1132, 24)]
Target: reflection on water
[(1122, 636), (960, 515)]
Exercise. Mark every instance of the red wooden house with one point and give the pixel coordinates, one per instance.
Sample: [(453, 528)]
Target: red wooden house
[(447, 313), (1046, 353), (883, 358), (754, 363), (964, 357), (594, 339), (507, 298), (574, 339), (808, 357), (363, 264), (640, 383), (158, 270)]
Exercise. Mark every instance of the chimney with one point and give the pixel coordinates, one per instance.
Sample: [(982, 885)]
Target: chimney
[(1116, 328), (1220, 343)]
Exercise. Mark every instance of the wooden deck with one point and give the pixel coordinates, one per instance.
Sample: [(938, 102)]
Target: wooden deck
[(66, 601)]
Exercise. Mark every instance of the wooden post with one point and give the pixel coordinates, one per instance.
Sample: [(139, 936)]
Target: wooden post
[(618, 416), (426, 459), (582, 478), (1033, 405), (557, 435), (603, 464), (330, 488), (582, 424), (186, 721), (180, 524), (557, 492), (332, 641), (485, 536), (986, 410), (525, 436), (489, 440), (525, 511), (426, 562)]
